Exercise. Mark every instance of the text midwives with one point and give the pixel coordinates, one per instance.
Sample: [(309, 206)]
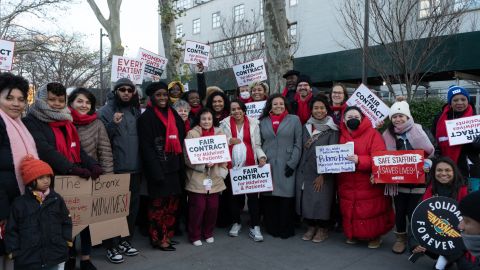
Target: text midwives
[(251, 174)]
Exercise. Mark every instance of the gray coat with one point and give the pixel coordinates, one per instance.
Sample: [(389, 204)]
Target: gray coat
[(311, 204), (123, 136), (284, 148)]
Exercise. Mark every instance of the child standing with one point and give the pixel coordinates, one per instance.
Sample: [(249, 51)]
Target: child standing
[(39, 229)]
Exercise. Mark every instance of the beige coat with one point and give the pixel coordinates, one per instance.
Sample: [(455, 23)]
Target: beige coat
[(197, 173), (95, 142)]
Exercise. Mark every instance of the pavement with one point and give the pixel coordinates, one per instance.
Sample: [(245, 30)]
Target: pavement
[(273, 253)]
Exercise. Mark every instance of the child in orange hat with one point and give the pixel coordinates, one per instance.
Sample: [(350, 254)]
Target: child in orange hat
[(39, 229)]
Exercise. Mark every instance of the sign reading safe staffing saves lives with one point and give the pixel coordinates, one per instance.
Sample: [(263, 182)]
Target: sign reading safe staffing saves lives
[(398, 167), (209, 149)]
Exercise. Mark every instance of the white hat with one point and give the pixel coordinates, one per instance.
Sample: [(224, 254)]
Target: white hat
[(400, 107)]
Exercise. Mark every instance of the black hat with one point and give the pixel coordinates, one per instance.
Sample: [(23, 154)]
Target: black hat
[(304, 78), (469, 206), (153, 87), (122, 82), (291, 72)]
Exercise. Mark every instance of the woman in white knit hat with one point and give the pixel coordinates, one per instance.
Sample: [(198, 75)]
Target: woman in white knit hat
[(404, 134)]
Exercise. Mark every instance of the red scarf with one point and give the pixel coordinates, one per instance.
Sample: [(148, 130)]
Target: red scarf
[(208, 132), (285, 91), (247, 140), (82, 119), (187, 126), (67, 144), (195, 110), (172, 142), (452, 152), (303, 110), (277, 120)]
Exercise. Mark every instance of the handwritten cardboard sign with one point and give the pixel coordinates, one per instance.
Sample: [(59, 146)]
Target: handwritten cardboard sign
[(6, 54), (251, 179), (371, 105), (333, 158), (398, 167), (249, 72), (196, 52), (209, 149), (255, 109), (154, 64), (463, 130), (130, 68)]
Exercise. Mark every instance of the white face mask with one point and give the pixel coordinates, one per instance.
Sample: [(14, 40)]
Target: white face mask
[(245, 95)]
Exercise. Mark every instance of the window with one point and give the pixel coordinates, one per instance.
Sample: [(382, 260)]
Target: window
[(427, 7), (179, 31), (251, 42), (196, 26), (293, 2), (216, 19), (238, 12), (292, 32), (183, 4), (240, 44)]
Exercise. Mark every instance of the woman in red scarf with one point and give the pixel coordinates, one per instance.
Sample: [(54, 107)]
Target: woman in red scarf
[(243, 135), (161, 131), (338, 98)]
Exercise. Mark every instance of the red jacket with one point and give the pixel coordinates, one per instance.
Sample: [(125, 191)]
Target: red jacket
[(461, 193), (367, 213)]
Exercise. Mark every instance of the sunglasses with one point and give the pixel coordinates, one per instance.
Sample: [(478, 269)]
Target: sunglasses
[(128, 89)]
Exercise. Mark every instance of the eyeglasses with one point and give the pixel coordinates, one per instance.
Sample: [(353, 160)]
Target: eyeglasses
[(128, 89)]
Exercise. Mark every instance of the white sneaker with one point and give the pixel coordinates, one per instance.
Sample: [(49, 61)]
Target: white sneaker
[(256, 234), (197, 243), (210, 240), (235, 229)]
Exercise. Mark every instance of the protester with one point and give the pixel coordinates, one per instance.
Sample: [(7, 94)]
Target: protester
[(183, 109), (447, 181), (220, 105), (50, 123), (470, 225), (203, 195), (39, 230), (93, 135), (210, 91), (375, 217), (243, 136), (282, 143), (120, 116), (161, 131), (303, 97), (338, 98), (290, 89), (175, 91), (244, 94), (259, 91), (195, 97), (314, 191), (15, 143)]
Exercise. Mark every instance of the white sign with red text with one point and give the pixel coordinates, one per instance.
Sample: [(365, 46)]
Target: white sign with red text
[(371, 105), (6, 54), (196, 52), (251, 179), (130, 68), (154, 64), (463, 130), (255, 109), (209, 149), (247, 73)]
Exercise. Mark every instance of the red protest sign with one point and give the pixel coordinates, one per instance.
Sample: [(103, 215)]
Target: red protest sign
[(398, 167)]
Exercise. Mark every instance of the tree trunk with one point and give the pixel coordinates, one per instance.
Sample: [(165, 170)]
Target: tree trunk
[(276, 42), (167, 24)]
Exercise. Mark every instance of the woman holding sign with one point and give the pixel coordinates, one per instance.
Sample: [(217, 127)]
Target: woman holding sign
[(243, 136), (282, 143), (367, 213), (315, 191)]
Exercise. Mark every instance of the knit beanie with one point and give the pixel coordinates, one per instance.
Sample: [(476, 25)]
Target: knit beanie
[(179, 83), (455, 90), (401, 107), (469, 206), (32, 168), (122, 82)]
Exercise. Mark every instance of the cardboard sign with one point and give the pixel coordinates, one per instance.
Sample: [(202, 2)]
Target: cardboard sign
[(255, 109), (333, 158), (251, 179), (209, 149), (371, 105), (130, 68), (196, 52), (6, 54), (463, 130), (398, 167), (250, 72), (435, 225), (154, 64)]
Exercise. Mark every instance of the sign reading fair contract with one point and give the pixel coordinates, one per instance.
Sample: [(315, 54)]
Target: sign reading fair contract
[(251, 179), (250, 72), (255, 109), (371, 105), (130, 68), (435, 225), (6, 54), (463, 130), (209, 149), (154, 64), (398, 167), (196, 52), (333, 158)]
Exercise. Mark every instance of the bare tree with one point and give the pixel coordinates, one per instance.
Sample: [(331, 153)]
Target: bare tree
[(406, 37), (172, 44)]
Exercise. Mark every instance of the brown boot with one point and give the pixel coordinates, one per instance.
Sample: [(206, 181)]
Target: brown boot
[(320, 236), (400, 243), (309, 234)]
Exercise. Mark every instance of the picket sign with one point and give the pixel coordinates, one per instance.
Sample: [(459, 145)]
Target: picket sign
[(332, 158), (209, 149), (130, 68), (249, 72), (255, 109), (196, 52), (6, 54), (463, 130), (154, 64), (398, 167), (371, 105), (251, 179)]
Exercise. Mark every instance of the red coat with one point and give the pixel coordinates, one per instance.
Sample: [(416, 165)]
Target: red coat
[(367, 213), (462, 193)]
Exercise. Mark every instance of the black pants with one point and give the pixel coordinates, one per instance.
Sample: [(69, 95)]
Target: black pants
[(224, 217), (279, 216), (238, 203), (324, 224), (405, 204)]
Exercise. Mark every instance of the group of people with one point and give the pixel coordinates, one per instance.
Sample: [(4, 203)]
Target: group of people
[(66, 135)]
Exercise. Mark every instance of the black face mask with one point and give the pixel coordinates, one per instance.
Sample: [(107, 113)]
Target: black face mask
[(353, 124)]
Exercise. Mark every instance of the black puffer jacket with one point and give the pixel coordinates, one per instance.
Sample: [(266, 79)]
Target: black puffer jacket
[(37, 235)]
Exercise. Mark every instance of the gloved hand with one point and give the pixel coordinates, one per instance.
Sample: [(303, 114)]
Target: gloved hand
[(96, 171), (83, 173), (288, 171)]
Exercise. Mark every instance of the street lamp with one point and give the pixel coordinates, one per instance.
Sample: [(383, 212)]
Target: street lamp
[(101, 63), (365, 42)]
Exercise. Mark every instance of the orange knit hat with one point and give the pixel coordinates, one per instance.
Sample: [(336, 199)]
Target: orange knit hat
[(32, 168)]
